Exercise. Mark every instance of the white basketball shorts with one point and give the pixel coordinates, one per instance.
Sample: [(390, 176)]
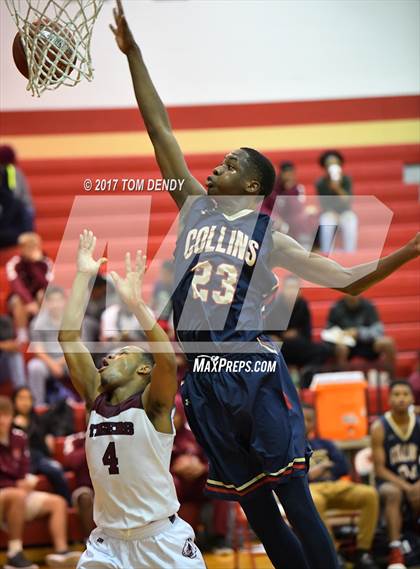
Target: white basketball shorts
[(170, 547)]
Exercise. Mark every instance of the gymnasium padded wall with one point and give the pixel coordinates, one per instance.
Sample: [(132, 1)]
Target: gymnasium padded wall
[(215, 52)]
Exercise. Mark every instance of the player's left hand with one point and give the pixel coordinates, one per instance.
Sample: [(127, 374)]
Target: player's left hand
[(129, 288)]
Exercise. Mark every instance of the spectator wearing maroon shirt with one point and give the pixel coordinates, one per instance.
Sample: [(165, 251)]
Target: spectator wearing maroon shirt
[(75, 460), (287, 206), (41, 442), (12, 499), (28, 274), (14, 473)]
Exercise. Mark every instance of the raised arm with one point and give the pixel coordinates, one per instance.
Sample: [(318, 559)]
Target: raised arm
[(159, 397), (83, 372), (167, 151), (287, 253)]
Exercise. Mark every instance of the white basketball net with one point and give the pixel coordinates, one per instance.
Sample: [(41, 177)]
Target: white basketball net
[(56, 36)]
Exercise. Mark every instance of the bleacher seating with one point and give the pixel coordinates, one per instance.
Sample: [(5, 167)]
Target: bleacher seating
[(36, 532), (375, 170)]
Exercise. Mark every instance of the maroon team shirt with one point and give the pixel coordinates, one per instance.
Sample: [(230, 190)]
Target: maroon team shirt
[(14, 459), (26, 278)]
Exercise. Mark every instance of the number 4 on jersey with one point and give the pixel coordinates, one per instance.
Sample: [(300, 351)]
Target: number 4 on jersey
[(110, 459)]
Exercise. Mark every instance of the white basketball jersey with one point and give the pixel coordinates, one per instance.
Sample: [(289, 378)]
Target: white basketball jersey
[(129, 465)]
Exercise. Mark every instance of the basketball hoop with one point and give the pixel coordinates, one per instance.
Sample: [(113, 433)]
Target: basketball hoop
[(55, 38)]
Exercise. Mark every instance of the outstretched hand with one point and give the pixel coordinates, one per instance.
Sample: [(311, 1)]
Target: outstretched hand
[(85, 261), (121, 31), (129, 288)]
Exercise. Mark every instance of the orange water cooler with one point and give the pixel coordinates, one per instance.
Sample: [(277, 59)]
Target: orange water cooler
[(341, 406)]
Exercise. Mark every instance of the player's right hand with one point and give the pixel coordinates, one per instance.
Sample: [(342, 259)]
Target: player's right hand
[(85, 261), (121, 31)]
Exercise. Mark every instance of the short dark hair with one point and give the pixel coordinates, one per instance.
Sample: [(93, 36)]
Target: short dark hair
[(402, 382), (54, 289), (263, 168), (286, 165), (148, 358), (325, 155)]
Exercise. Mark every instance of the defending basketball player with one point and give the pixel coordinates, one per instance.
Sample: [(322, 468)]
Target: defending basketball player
[(129, 435), (249, 424)]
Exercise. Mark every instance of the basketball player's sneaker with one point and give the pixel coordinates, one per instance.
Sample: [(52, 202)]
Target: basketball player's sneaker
[(67, 559), (19, 561), (396, 559)]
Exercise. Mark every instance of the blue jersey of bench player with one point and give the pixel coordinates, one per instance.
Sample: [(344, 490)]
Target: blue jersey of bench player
[(247, 419), (402, 450)]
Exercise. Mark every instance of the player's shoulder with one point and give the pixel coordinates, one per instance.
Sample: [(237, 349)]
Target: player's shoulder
[(378, 426)]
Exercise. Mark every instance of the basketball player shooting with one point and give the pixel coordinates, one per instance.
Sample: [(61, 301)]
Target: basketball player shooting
[(129, 434), (250, 424)]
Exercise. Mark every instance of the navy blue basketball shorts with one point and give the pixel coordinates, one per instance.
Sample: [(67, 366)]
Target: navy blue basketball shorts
[(249, 423)]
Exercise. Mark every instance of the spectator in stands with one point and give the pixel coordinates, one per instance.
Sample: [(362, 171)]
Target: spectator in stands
[(189, 468), (102, 290), (329, 491), (162, 292), (335, 198), (82, 497), (12, 213), (14, 473), (118, 324), (298, 348), (288, 208), (41, 443), (18, 184), (359, 319), (28, 274), (49, 363), (396, 454), (12, 364), (12, 499)]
